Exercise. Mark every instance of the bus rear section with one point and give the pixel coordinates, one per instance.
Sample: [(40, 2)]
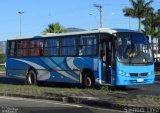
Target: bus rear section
[(66, 59)]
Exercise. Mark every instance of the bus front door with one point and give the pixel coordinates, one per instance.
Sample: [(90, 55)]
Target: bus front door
[(106, 48)]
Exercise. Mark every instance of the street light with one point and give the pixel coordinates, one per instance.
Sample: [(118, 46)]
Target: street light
[(20, 22)]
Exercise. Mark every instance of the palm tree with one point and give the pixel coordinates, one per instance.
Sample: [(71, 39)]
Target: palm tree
[(157, 29), (138, 10), (151, 25), (54, 28)]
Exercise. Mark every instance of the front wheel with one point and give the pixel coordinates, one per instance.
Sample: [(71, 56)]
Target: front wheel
[(31, 78), (88, 80)]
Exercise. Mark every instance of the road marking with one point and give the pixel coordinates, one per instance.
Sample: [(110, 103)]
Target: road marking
[(38, 100)]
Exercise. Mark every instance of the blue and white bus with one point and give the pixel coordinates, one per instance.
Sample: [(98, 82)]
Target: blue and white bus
[(116, 57)]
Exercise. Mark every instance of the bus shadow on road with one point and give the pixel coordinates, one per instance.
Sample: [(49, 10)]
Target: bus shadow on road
[(17, 81), (113, 88), (14, 81)]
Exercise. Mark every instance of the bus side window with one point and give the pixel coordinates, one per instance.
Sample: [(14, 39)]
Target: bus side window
[(102, 50), (41, 51), (40, 48), (11, 48), (109, 56), (24, 52), (31, 52), (81, 50), (102, 54)]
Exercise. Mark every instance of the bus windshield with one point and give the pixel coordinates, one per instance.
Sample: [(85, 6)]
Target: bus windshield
[(133, 48)]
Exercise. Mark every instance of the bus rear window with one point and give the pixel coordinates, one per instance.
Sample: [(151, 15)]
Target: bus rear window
[(11, 48)]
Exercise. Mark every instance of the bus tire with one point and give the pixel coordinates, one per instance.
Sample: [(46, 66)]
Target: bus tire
[(31, 78), (88, 79)]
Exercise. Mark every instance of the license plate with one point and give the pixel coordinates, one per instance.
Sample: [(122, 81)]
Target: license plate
[(140, 80)]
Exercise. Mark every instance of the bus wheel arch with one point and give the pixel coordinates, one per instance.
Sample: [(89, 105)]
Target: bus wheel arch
[(31, 76), (88, 79)]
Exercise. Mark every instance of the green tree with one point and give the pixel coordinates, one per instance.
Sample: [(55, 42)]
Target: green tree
[(151, 25), (156, 24), (54, 28), (138, 10), (148, 25), (2, 58)]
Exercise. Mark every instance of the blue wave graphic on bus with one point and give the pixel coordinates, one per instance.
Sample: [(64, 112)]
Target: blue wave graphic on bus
[(58, 65)]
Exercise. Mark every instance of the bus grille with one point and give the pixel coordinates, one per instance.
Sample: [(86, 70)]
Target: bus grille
[(134, 74), (138, 74), (144, 74)]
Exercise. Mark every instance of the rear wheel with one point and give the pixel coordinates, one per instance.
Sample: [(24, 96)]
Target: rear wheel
[(88, 79), (31, 78)]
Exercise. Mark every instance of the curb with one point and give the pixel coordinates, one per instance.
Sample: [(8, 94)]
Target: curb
[(89, 101), (93, 102), (111, 105)]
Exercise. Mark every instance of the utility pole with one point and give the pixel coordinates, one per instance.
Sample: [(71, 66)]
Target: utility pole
[(100, 9), (20, 23)]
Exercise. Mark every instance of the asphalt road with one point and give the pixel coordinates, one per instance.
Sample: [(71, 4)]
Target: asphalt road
[(153, 89), (21, 105), (149, 89)]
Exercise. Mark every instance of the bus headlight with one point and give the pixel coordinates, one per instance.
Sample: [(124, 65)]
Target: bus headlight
[(127, 74), (151, 73), (121, 72)]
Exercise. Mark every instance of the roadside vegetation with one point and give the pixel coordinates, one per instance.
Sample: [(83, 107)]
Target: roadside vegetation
[(2, 61), (2, 58), (140, 101), (57, 91), (2, 69)]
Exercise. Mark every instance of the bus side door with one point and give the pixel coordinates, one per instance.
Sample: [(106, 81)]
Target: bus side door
[(107, 56)]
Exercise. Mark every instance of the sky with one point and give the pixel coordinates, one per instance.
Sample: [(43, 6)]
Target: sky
[(70, 13)]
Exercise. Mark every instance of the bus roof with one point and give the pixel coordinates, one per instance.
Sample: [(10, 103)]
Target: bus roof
[(100, 30)]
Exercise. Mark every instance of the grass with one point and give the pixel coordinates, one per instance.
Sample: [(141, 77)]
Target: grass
[(43, 91), (140, 101), (2, 68), (157, 72), (151, 97), (104, 89), (34, 91)]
